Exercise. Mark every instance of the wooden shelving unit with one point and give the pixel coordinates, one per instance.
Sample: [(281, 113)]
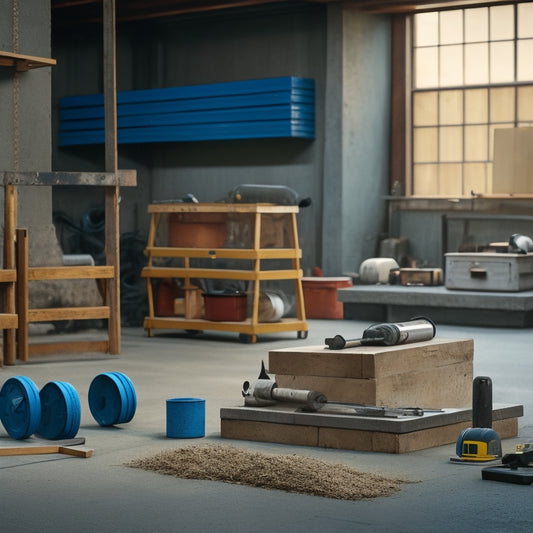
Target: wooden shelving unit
[(258, 218)]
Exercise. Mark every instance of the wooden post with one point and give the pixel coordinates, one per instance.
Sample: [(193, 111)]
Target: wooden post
[(112, 235), (22, 293), (10, 221)]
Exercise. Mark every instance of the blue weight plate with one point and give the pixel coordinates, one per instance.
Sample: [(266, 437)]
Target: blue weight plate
[(73, 424), (20, 407), (106, 399), (60, 411), (130, 396)]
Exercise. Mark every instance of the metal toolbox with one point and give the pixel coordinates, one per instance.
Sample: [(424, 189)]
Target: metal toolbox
[(489, 271)]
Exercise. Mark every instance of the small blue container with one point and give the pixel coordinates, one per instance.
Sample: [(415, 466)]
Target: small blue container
[(185, 418)]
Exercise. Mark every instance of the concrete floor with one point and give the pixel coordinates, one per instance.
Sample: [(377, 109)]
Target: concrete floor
[(61, 493)]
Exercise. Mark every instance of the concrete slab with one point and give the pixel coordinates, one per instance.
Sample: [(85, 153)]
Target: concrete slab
[(398, 302), (404, 424)]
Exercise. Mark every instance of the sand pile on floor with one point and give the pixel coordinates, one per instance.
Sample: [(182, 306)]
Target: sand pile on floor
[(290, 473)]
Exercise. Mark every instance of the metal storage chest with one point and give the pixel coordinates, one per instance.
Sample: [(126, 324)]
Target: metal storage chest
[(489, 271)]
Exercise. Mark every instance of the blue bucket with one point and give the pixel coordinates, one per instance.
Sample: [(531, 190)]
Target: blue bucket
[(112, 398), (60, 411), (185, 418)]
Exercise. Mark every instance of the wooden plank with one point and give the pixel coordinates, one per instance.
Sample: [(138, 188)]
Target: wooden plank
[(246, 326), (223, 253), (220, 208), (513, 161), (8, 320), (182, 272), (371, 361), (124, 178), (67, 313), (23, 62), (77, 451), (71, 272), (68, 347), (8, 276)]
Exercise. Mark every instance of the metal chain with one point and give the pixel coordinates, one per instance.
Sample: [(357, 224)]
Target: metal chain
[(16, 88)]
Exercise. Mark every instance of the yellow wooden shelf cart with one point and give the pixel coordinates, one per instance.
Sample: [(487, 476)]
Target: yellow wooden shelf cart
[(255, 233)]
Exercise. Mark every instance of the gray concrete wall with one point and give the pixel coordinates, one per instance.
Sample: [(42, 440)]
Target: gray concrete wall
[(344, 170), (246, 46), (356, 173), (25, 113)]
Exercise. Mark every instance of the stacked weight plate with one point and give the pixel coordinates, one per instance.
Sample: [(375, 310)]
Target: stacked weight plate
[(60, 411), (20, 407), (112, 398)]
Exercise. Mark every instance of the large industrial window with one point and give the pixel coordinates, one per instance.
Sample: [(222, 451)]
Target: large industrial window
[(472, 72)]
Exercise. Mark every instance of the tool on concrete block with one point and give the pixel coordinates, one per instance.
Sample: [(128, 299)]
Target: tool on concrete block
[(371, 410), (388, 334), (263, 392), (515, 468)]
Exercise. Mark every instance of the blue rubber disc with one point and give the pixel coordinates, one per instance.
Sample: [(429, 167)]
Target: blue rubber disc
[(20, 407), (130, 397), (112, 399), (60, 411)]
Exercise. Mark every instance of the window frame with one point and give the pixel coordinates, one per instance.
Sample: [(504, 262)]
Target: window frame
[(402, 97)]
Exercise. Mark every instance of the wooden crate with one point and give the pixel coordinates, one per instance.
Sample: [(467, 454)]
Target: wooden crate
[(433, 374)]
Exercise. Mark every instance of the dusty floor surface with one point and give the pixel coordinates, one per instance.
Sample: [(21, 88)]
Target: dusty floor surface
[(57, 492)]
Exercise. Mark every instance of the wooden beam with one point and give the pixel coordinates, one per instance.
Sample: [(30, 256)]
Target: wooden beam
[(23, 62), (123, 178), (10, 221), (398, 107), (23, 300), (112, 237)]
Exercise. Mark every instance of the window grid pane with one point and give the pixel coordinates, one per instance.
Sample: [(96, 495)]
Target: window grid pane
[(455, 61)]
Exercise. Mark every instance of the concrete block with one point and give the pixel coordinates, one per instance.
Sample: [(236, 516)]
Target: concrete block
[(371, 361), (433, 374)]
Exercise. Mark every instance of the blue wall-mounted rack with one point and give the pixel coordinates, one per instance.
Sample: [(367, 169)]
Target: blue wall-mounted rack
[(253, 109)]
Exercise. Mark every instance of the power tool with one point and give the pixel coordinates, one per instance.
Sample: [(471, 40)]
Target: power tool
[(388, 334)]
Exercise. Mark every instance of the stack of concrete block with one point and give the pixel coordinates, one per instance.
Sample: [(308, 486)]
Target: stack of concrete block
[(436, 376)]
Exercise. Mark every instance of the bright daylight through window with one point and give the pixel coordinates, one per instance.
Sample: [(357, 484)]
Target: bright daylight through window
[(472, 74)]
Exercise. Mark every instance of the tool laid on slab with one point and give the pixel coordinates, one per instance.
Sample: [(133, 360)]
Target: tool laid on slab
[(388, 334), (264, 392)]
